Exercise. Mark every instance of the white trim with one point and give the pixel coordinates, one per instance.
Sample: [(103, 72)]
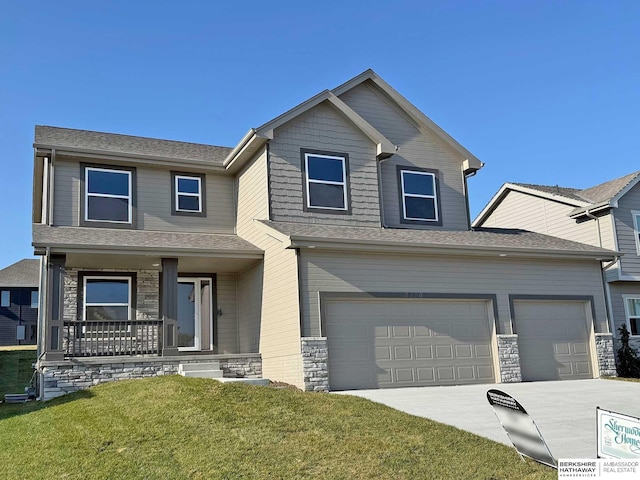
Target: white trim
[(627, 312), (178, 193), (635, 217), (87, 194), (85, 304), (326, 182), (197, 286), (416, 195)]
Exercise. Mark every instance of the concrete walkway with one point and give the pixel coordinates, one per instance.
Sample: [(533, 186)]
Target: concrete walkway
[(565, 412)]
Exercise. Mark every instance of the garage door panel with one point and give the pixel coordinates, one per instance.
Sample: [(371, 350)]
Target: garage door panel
[(553, 339), (415, 342)]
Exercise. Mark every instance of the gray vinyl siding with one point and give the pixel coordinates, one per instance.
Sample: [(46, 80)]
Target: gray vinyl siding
[(322, 128), (227, 323), (269, 315), (337, 272), (536, 214), (66, 198), (416, 148), (618, 289), (624, 225), (153, 202), (19, 312)]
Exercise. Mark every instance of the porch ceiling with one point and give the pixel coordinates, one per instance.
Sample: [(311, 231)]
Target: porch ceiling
[(188, 264)]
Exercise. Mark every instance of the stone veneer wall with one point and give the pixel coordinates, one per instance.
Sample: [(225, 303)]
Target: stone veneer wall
[(64, 377), (315, 367), (606, 355), (147, 293), (509, 359)]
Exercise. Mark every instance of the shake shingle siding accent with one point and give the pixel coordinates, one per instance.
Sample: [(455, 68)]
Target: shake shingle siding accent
[(625, 231), (416, 148), (322, 129), (337, 272)]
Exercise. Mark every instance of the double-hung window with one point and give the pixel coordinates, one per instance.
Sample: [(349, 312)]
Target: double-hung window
[(636, 229), (187, 194), (107, 298), (326, 182), (419, 196), (5, 298), (632, 307), (108, 195)]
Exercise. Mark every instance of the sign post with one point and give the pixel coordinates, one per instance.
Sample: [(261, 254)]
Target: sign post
[(520, 428)]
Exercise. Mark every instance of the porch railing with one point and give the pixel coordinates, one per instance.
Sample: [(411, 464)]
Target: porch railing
[(95, 338)]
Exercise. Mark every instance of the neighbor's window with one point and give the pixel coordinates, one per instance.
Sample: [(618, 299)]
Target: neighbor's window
[(419, 196), (5, 298), (108, 195), (636, 218), (633, 315), (326, 181), (107, 298), (188, 194), (34, 298)]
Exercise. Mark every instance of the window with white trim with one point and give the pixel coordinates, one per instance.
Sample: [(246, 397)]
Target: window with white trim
[(325, 182), (187, 194), (5, 298), (632, 307), (107, 195), (636, 229), (107, 298), (418, 191)]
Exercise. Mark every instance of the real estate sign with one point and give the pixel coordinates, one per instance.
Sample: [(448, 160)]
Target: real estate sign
[(520, 427), (618, 435)]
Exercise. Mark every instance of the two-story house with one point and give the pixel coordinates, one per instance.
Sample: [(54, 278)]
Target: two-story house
[(19, 303), (330, 249), (607, 215)]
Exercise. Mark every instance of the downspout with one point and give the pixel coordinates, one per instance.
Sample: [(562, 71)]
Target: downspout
[(380, 194), (593, 217), (466, 195)]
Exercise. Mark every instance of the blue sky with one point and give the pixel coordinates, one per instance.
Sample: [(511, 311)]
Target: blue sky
[(541, 91)]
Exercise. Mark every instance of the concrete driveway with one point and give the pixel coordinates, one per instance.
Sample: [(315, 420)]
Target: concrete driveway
[(565, 412)]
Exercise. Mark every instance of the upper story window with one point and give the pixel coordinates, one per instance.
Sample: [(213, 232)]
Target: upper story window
[(636, 229), (187, 191), (34, 299), (5, 298), (632, 306), (108, 196), (326, 187), (107, 298), (419, 196)]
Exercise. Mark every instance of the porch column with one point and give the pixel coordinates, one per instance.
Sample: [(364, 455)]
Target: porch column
[(170, 306), (53, 331)]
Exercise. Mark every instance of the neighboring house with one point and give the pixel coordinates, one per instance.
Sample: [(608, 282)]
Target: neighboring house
[(19, 303), (607, 215), (330, 249)]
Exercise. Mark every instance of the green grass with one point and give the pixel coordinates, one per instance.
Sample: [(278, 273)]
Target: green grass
[(622, 379), (15, 370), (174, 428)]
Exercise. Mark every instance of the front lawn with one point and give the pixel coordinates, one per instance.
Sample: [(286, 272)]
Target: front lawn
[(15, 369), (174, 428)]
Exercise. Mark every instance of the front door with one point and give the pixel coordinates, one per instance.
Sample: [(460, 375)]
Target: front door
[(194, 314)]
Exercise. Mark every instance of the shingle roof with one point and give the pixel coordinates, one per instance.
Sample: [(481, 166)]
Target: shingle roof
[(603, 192), (46, 136), (478, 239), (151, 241), (25, 273)]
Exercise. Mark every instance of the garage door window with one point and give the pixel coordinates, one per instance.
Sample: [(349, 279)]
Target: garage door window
[(633, 315)]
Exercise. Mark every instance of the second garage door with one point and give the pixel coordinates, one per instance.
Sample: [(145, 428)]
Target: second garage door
[(553, 339), (396, 343)]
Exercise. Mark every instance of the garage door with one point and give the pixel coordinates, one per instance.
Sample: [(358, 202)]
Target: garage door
[(553, 339), (388, 343)]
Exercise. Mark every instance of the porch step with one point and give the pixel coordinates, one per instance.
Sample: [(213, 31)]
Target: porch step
[(210, 369)]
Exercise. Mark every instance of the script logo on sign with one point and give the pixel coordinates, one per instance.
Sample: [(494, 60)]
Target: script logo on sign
[(618, 435)]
